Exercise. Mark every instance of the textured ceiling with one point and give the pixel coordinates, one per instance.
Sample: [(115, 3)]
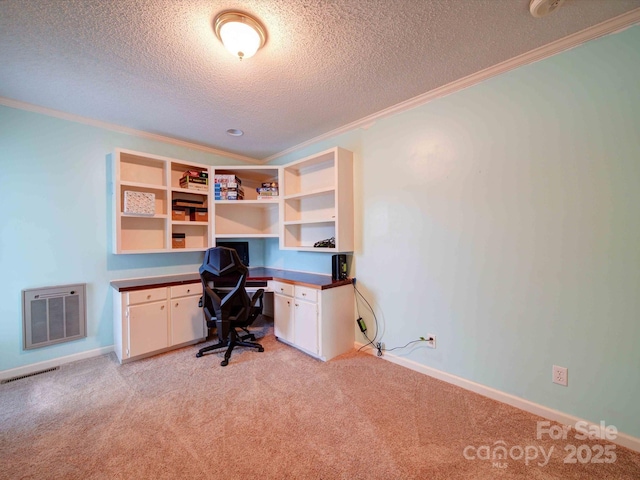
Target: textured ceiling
[(156, 66)]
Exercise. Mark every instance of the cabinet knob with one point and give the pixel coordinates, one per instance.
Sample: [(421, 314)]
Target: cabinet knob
[(297, 305), (148, 297), (304, 294), (281, 289), (288, 302), (177, 304), (188, 290), (162, 307)]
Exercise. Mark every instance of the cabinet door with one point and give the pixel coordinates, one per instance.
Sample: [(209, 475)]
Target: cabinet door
[(283, 317), (187, 321), (148, 328), (305, 326)]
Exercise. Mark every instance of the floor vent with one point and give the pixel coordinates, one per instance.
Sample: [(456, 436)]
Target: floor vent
[(53, 315), (8, 380)]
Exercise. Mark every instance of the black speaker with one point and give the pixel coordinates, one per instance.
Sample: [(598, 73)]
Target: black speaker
[(339, 267)]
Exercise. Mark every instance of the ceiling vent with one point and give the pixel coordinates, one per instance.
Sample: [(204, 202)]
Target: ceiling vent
[(540, 8)]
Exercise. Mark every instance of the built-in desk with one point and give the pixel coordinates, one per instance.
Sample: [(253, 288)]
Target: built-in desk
[(256, 275), (311, 312)]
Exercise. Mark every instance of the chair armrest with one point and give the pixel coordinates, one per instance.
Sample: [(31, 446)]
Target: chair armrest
[(257, 296)]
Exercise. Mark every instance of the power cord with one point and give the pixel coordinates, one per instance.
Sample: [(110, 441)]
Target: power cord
[(379, 346), (360, 321)]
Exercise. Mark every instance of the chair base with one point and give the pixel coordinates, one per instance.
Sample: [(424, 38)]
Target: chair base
[(231, 343)]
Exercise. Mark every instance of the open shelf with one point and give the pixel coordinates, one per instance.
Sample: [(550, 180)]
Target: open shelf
[(248, 217), (315, 173), (160, 176), (241, 218), (142, 233), (305, 235), (318, 202), (142, 169)]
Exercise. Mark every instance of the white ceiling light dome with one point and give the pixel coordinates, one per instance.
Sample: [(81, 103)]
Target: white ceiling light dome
[(241, 34)]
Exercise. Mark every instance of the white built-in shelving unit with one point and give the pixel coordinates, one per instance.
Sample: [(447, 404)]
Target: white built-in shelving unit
[(315, 203), (248, 218), (145, 173)]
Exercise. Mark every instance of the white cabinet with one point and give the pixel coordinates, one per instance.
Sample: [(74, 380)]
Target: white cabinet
[(154, 320), (318, 202), (145, 188), (187, 321), (317, 321), (305, 325), (147, 327), (283, 317)]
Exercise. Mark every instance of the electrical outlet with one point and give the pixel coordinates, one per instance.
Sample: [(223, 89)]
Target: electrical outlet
[(431, 341), (560, 375)]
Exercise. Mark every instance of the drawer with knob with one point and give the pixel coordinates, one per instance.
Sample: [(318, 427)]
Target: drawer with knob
[(186, 290), (146, 296)]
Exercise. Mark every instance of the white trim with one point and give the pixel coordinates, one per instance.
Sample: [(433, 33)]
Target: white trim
[(119, 128), (607, 27), (36, 367), (622, 439)]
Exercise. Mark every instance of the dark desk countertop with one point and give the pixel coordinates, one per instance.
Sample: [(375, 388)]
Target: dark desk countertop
[(256, 274)]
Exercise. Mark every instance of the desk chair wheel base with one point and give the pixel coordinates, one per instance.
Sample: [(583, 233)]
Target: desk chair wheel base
[(235, 341)]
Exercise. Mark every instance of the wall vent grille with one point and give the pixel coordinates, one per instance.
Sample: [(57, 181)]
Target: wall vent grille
[(53, 315), (8, 380)]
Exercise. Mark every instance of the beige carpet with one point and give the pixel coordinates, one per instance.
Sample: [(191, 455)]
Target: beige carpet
[(277, 415)]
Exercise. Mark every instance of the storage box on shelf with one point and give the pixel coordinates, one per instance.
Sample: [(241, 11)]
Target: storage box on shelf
[(238, 213), (318, 202), (190, 189), (195, 180), (143, 227)]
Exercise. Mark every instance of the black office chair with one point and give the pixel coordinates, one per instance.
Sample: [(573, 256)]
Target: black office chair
[(225, 301)]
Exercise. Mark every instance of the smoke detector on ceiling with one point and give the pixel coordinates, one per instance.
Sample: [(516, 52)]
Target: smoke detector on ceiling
[(540, 8)]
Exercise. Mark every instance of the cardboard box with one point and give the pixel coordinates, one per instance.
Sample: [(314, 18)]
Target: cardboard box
[(178, 240), (179, 202), (195, 183), (199, 215), (178, 213)]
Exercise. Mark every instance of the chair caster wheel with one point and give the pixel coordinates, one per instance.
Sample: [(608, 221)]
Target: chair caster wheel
[(224, 362), (261, 349), (198, 355)]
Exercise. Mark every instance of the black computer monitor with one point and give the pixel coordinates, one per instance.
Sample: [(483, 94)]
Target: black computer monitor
[(241, 247)]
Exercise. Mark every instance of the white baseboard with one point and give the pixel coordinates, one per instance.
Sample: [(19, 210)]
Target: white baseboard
[(36, 367), (622, 439)]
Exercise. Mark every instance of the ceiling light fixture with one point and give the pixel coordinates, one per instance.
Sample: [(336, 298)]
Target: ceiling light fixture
[(241, 34), (234, 132), (540, 8)]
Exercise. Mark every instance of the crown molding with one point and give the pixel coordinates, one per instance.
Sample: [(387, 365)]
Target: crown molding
[(118, 128), (613, 25)]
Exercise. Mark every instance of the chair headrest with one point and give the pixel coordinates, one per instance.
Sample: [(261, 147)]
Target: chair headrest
[(220, 261)]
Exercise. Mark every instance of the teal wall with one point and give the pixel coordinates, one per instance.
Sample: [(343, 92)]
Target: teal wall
[(55, 227), (505, 220)]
